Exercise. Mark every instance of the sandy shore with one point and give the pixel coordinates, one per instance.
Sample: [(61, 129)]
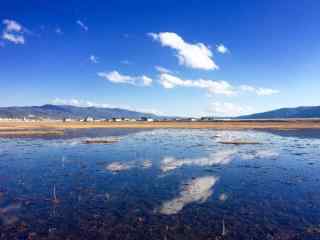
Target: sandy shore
[(55, 127)]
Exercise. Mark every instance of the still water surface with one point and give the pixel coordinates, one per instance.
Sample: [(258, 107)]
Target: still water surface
[(161, 184)]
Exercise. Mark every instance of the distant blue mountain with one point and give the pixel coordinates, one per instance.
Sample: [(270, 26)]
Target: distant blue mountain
[(298, 112), (67, 111)]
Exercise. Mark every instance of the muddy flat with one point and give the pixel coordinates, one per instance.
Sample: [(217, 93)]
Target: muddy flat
[(55, 126)]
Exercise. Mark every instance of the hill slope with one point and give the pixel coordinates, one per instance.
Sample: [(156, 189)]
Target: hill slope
[(66, 111), (298, 112)]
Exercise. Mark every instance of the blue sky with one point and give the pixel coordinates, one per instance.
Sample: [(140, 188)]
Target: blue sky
[(187, 58)]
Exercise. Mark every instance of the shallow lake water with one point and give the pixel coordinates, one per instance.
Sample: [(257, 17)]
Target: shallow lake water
[(161, 184)]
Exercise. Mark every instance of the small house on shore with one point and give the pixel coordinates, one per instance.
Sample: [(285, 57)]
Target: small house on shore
[(66, 119), (146, 119), (117, 119), (89, 119)]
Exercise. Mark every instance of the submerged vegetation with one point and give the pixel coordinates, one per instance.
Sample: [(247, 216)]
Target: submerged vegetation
[(101, 141), (239, 142), (160, 184)]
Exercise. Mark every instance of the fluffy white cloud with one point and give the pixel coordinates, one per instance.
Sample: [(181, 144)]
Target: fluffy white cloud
[(227, 109), (93, 59), (247, 88), (82, 25), (222, 49), (196, 55), (116, 77), (213, 87), (162, 69), (13, 32), (12, 26), (266, 91), (14, 38), (79, 103), (168, 80), (259, 91)]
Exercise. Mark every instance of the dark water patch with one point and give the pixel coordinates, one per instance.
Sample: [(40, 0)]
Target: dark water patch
[(297, 133), (160, 184)]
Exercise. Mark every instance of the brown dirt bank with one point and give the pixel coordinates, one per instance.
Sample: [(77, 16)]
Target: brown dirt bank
[(18, 132), (56, 126)]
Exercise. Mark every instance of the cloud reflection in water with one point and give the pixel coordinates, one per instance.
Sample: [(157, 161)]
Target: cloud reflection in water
[(262, 153), (124, 166), (217, 158), (222, 157), (197, 190)]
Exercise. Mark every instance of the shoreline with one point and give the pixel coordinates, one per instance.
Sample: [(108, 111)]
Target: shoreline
[(19, 128)]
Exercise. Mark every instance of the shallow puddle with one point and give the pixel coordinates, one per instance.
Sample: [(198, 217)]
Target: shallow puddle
[(161, 184)]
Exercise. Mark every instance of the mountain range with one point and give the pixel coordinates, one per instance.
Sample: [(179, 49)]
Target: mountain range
[(297, 112), (68, 111)]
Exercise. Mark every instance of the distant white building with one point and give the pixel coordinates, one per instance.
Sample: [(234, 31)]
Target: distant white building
[(117, 119), (67, 120), (192, 119), (88, 119), (207, 119), (146, 119), (101, 120)]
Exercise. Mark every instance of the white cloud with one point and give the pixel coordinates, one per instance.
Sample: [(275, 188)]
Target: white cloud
[(12, 26), (197, 190), (162, 69), (82, 25), (85, 103), (247, 88), (197, 55), (14, 38), (93, 59), (126, 62), (116, 77), (58, 30), (226, 109), (266, 91), (213, 87), (259, 91), (79, 103), (222, 49), (13, 32)]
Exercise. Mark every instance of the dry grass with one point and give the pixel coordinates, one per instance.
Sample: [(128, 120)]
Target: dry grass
[(56, 128)]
